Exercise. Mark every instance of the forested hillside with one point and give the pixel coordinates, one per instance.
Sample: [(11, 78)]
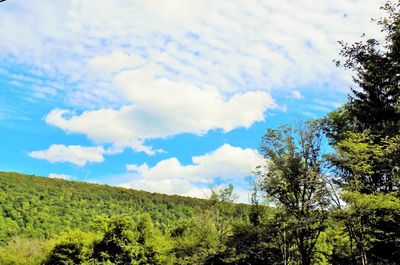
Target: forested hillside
[(42, 207), (54, 221)]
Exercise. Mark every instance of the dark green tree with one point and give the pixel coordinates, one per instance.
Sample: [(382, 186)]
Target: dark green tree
[(66, 254), (259, 243), (373, 106), (377, 66), (365, 134)]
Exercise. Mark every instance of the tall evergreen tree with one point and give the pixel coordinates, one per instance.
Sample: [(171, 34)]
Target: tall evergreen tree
[(365, 134), (374, 103), (372, 109)]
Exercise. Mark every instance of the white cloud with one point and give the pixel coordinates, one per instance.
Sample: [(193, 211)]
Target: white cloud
[(61, 176), (114, 62), (150, 69), (160, 108), (282, 45), (170, 176), (296, 94), (74, 154), (172, 186)]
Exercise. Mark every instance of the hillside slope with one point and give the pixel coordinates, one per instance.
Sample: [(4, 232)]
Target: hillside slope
[(40, 207)]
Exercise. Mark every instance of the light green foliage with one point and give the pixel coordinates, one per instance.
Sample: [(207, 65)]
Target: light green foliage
[(333, 245), (195, 239), (126, 241), (365, 134), (21, 251), (74, 247), (361, 160), (43, 208), (80, 223)]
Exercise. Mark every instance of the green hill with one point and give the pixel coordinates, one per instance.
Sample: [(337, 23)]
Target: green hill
[(40, 207)]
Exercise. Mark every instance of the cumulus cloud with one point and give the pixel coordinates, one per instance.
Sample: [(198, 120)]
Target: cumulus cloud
[(160, 108), (172, 186), (172, 177), (61, 176), (74, 154)]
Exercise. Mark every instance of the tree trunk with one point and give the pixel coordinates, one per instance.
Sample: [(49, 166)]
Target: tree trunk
[(305, 257), (364, 260)]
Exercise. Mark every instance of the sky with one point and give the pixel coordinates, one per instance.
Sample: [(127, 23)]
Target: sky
[(166, 96)]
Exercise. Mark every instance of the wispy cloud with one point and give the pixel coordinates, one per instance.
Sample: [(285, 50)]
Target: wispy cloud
[(234, 46)]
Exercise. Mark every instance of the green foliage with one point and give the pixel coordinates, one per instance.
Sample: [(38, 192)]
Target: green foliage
[(365, 134), (224, 194), (294, 176), (80, 223), (223, 213), (258, 244), (374, 106), (40, 207), (22, 251), (73, 247), (127, 242), (366, 166), (333, 245), (294, 180), (195, 239), (372, 112), (374, 225)]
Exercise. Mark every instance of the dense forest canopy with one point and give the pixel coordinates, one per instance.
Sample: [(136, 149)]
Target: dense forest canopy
[(45, 210), (42, 207)]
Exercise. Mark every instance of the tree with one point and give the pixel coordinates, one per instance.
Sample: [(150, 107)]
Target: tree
[(195, 239), (74, 247), (357, 157), (294, 180), (365, 166), (374, 225), (377, 67), (365, 134), (222, 199), (373, 107), (223, 194), (126, 243), (257, 244)]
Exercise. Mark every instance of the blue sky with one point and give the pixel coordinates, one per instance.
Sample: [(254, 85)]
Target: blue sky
[(165, 96)]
